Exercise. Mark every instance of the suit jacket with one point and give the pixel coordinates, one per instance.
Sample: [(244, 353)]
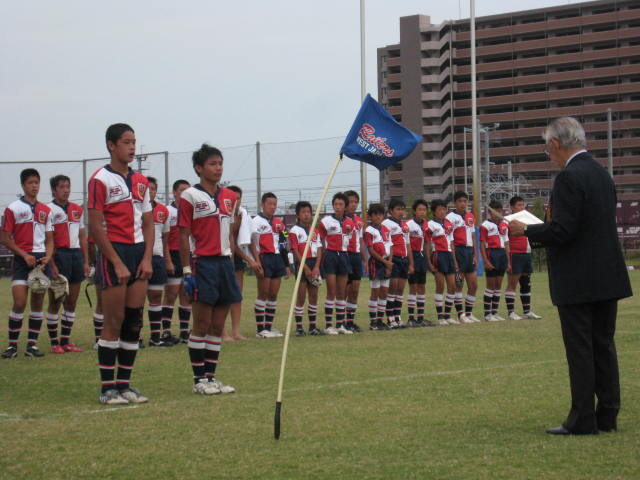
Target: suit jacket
[(583, 251)]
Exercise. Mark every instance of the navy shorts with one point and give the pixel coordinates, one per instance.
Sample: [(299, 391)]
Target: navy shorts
[(377, 270), (70, 263), (21, 270), (400, 267), (177, 264), (443, 261), (498, 258), (309, 262), (355, 261), (335, 263), (131, 255), (216, 281), (159, 275), (420, 269), (464, 256), (238, 263), (273, 265), (521, 263)]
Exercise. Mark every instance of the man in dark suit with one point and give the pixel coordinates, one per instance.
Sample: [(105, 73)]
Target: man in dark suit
[(587, 276)]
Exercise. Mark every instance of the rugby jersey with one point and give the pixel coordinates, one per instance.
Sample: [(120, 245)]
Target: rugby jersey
[(123, 200), (417, 232), (67, 221), (174, 230), (379, 239), (336, 233), (160, 226), (209, 217), (266, 233), (495, 234), (399, 232), (298, 238), (440, 235), (463, 228), (28, 224), (356, 234)]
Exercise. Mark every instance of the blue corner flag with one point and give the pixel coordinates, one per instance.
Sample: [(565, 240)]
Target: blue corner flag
[(377, 138)]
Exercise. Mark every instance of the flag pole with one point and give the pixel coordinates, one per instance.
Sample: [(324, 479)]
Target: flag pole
[(287, 333), (363, 94)]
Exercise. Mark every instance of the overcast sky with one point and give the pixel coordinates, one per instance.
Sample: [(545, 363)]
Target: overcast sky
[(229, 73)]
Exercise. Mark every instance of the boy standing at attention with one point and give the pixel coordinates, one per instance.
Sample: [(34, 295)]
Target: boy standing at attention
[(265, 231), (402, 261), (357, 260), (298, 236), (417, 280), (376, 238), (464, 241), (206, 213), (71, 259), (121, 225), (494, 235), (27, 231)]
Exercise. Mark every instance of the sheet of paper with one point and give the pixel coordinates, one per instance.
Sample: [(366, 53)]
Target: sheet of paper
[(525, 217)]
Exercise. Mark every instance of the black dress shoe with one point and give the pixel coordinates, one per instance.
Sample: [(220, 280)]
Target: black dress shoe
[(558, 431), (608, 430)]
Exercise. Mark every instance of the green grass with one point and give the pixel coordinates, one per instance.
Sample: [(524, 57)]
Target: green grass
[(463, 402)]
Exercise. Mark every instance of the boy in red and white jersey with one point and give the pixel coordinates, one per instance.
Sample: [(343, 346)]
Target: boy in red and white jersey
[(357, 260), (494, 235), (418, 226), (464, 241), (265, 232), (70, 258), (521, 270), (121, 225), (298, 235), (442, 261), (173, 288), (401, 258), (161, 264), (335, 231), (28, 232), (378, 243), (206, 213)]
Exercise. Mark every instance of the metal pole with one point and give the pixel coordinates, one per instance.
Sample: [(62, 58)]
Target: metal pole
[(84, 190), (609, 142), (486, 154), (510, 177), (474, 118), (166, 178), (466, 187), (258, 178), (363, 93)]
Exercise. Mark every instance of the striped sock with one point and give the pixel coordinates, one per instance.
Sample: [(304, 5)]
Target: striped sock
[(469, 302), (212, 347), (166, 316), (66, 325), (351, 313), (312, 312), (420, 301), (196, 355), (98, 321), (448, 303), (382, 308), (488, 298), (411, 306), (35, 324), (258, 308), (126, 358), (373, 310), (15, 325), (341, 306), (458, 303), (510, 299), (438, 299), (525, 298), (270, 313), (107, 354), (155, 321), (397, 307), (495, 302), (52, 328), (328, 313), (184, 315), (298, 312), (391, 302)]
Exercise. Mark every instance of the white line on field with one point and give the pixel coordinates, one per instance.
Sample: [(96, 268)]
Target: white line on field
[(9, 417)]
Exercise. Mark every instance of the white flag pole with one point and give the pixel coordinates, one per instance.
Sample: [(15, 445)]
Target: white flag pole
[(287, 334)]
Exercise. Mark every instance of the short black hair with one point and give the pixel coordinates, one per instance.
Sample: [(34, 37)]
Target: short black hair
[(396, 202), (28, 172), (419, 202), (375, 208), (437, 203), (340, 196), (236, 189), (200, 156), (303, 204), (153, 180), (115, 131), (496, 205), (352, 193), (515, 199), (460, 194), (268, 195), (177, 184), (54, 181)]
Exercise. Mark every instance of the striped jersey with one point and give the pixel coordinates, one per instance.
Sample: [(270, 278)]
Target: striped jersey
[(28, 224), (67, 221)]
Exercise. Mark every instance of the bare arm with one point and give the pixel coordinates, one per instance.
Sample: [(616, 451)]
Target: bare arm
[(185, 247), (97, 232), (166, 254), (84, 247), (10, 243)]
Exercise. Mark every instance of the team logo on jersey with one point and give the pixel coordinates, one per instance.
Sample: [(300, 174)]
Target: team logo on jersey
[(162, 216), (42, 216), (502, 228), (278, 228), (314, 237), (405, 228), (469, 221), (228, 204), (141, 189), (448, 228), (75, 215), (201, 206), (59, 218), (115, 191), (348, 229)]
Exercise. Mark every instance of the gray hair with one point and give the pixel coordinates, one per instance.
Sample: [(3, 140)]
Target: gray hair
[(568, 131)]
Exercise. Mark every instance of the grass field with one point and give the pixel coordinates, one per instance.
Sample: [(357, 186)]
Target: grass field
[(463, 402)]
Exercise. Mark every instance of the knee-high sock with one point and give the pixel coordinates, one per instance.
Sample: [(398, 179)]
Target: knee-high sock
[(107, 355), (495, 304), (448, 303), (420, 301), (328, 312), (66, 325), (438, 299), (196, 355), (469, 302), (458, 303), (340, 311), (510, 299), (35, 324), (259, 309), (270, 313), (98, 321), (212, 347), (52, 328), (488, 300), (184, 315), (312, 313), (126, 358), (155, 321), (15, 325)]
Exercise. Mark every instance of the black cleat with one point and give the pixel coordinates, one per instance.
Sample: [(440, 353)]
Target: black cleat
[(315, 331), (141, 344), (428, 323), (159, 343), (413, 324), (184, 337), (374, 325), (11, 352), (170, 339), (355, 328), (300, 332), (33, 351), (382, 325)]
